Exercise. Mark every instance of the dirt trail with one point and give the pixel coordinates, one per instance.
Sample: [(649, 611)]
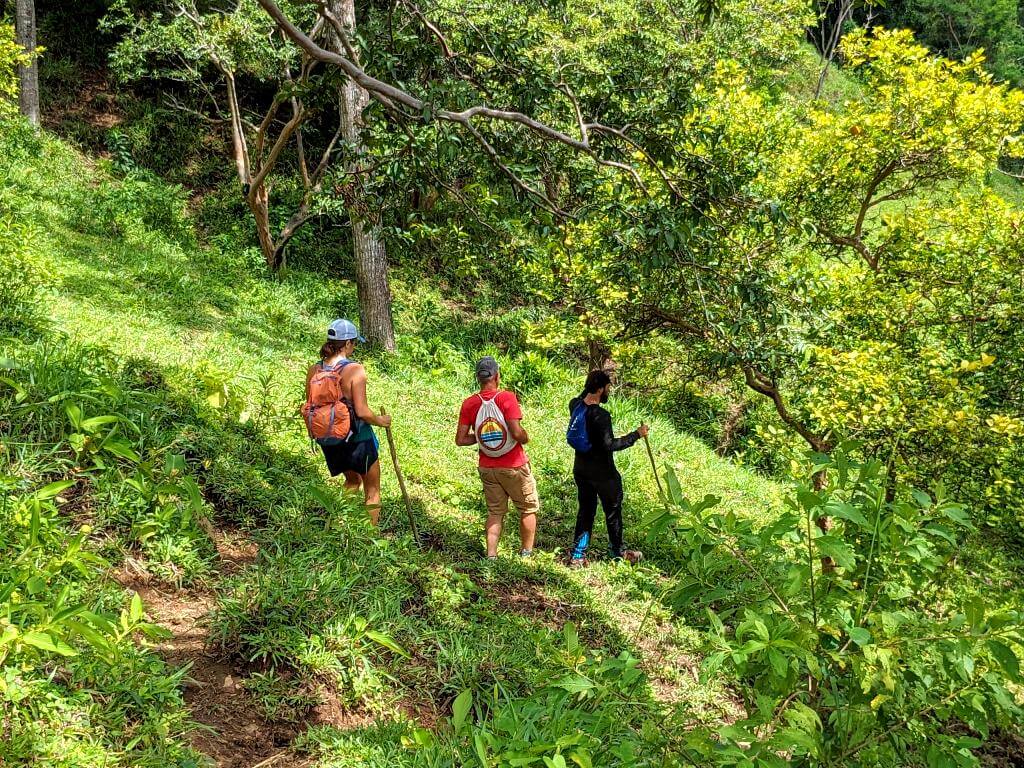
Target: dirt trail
[(232, 732)]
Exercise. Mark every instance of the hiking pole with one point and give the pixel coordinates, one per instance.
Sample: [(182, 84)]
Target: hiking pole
[(654, 466), (401, 481)]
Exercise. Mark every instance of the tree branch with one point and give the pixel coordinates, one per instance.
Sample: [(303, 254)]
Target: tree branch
[(241, 147), (754, 379), (431, 27), (415, 108), (278, 148), (763, 385)]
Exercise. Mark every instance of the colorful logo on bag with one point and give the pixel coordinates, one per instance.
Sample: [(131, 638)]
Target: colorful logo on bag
[(491, 434)]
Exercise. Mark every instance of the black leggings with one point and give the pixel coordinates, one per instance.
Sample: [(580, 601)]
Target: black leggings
[(609, 490)]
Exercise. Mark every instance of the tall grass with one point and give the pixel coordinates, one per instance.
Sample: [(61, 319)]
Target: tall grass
[(200, 358), (158, 365)]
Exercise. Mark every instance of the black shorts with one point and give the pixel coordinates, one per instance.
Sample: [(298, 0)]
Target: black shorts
[(351, 457)]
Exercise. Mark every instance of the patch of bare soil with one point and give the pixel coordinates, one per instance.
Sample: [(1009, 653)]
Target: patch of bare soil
[(95, 104), (1003, 750), (423, 711), (233, 731), (530, 600)]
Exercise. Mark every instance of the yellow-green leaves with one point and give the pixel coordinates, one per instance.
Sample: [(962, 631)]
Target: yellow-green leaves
[(922, 121), (11, 56)]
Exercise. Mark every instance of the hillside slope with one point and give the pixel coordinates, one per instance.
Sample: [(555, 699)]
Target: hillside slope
[(326, 640)]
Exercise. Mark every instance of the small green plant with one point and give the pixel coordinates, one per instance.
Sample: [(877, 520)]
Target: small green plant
[(20, 284), (282, 698), (98, 439), (583, 717), (852, 653)]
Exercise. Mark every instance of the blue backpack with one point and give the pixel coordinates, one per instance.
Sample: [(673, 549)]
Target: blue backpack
[(576, 436)]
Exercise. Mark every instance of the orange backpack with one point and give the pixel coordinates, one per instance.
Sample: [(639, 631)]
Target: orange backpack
[(328, 414)]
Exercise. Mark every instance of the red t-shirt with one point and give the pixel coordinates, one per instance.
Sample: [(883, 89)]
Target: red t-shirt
[(509, 406)]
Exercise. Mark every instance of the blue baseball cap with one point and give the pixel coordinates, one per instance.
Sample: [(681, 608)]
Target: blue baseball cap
[(343, 330)]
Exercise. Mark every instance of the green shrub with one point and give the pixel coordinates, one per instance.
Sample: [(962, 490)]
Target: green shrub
[(85, 469), (856, 651), (20, 272), (19, 278), (321, 605), (138, 202)]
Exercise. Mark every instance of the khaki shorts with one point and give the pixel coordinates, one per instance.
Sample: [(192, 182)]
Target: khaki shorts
[(502, 484)]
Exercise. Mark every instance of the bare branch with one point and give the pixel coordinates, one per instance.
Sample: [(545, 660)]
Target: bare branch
[(491, 152), (325, 158), (261, 131), (432, 27), (394, 97), (241, 147), (297, 108), (180, 106), (278, 148)]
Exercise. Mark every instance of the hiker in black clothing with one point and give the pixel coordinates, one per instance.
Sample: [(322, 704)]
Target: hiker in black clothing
[(595, 473)]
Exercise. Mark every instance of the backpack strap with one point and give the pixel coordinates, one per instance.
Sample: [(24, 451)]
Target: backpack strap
[(339, 366)]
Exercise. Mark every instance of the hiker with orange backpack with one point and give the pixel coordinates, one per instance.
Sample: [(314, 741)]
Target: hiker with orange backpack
[(491, 420), (338, 417)]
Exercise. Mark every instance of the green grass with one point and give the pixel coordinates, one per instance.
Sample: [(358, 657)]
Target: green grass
[(801, 79), (333, 606), (123, 272)]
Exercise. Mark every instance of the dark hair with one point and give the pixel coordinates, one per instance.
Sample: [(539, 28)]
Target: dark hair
[(332, 347), (596, 381)]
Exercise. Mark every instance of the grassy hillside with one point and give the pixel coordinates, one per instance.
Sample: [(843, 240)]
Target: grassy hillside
[(148, 402), (325, 623)]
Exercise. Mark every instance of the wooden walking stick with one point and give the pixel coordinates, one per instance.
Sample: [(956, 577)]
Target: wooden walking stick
[(401, 481), (654, 466)]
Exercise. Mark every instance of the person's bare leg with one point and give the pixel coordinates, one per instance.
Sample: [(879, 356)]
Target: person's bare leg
[(522, 489), (352, 481), (371, 487), (493, 529), (527, 530)]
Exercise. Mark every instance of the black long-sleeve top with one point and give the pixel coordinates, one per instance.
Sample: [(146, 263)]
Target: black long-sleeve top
[(598, 462)]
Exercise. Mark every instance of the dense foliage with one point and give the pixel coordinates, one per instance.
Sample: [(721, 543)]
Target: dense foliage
[(851, 264), (767, 268), (861, 663), (959, 28)]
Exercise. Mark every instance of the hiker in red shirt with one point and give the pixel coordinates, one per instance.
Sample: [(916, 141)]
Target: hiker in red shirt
[(490, 420)]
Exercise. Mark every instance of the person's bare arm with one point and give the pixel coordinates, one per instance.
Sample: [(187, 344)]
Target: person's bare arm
[(464, 435), (358, 390), (515, 428)]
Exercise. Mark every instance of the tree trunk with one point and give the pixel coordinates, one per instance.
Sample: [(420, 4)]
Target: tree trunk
[(372, 283), (259, 205), (28, 74), (368, 249), (598, 356)]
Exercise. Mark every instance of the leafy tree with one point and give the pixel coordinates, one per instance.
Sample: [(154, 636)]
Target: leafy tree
[(12, 55), (191, 47), (269, 147), (958, 28), (807, 255)]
